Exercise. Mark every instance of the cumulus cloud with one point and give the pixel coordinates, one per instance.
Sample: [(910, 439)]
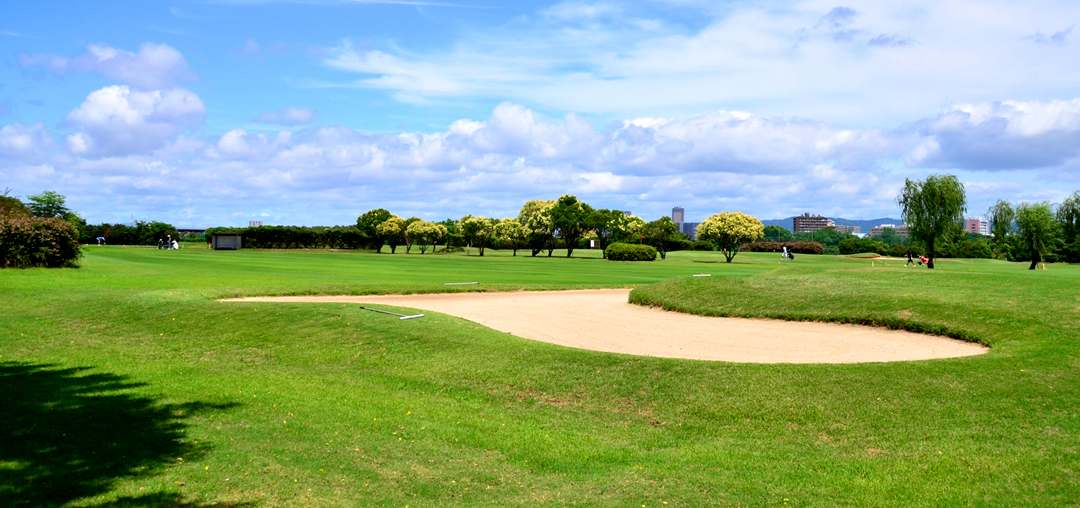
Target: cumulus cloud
[(1001, 135), (24, 142), (718, 160), (289, 116), (117, 120), (154, 66)]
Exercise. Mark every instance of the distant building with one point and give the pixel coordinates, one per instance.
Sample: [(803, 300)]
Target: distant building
[(977, 225), (254, 223), (678, 215), (854, 230), (689, 229), (627, 212), (807, 223), (878, 230)]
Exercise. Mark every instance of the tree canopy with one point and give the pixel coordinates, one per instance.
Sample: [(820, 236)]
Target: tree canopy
[(1037, 229), (729, 230), (48, 204), (933, 209), (1068, 215), (660, 232), (570, 217)]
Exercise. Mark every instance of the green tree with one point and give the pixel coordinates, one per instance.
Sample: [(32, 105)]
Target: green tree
[(600, 223), (1037, 229), (729, 230), (777, 234), (933, 209), (660, 232), (423, 233), (392, 232), (10, 205), (1002, 217), (368, 224), (511, 233), (48, 204), (1068, 216), (570, 218), (535, 216), (409, 239), (478, 231)]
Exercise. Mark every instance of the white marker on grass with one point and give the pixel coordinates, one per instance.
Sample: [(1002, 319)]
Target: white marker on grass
[(402, 316)]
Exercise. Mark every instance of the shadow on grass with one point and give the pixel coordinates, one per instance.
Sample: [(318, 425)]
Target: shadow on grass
[(67, 435)]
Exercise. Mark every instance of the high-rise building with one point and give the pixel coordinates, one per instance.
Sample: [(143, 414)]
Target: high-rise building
[(807, 223), (900, 230), (977, 225), (254, 223), (678, 215), (847, 229)]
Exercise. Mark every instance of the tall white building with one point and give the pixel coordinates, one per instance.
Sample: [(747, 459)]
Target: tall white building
[(678, 215)]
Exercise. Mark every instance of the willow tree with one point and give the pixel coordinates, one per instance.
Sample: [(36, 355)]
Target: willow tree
[(1002, 219), (1068, 216), (933, 209), (729, 230), (1037, 229)]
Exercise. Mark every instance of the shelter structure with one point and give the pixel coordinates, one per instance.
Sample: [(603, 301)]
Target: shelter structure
[(226, 241)]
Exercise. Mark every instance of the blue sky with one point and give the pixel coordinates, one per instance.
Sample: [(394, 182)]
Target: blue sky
[(219, 112)]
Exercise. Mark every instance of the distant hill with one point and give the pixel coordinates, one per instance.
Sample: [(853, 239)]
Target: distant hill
[(865, 225)]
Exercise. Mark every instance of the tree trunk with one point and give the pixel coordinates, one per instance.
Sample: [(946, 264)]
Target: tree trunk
[(930, 247), (468, 248), (1035, 258)]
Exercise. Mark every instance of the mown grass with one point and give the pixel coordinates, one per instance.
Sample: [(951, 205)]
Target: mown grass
[(125, 383)]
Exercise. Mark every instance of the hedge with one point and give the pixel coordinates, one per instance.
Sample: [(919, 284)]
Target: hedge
[(630, 252), (34, 241), (296, 237), (792, 247), (143, 233)]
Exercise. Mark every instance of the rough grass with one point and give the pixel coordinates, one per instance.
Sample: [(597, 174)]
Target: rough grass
[(124, 383)]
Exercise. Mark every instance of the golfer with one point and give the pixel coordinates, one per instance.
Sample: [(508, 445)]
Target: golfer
[(910, 260), (785, 254)]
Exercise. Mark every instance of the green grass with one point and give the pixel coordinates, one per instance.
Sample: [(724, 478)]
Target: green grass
[(125, 383)]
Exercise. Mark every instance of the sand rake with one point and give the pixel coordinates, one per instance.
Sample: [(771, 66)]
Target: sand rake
[(401, 317)]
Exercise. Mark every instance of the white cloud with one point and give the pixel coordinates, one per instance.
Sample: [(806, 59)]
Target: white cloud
[(116, 120), (1000, 135), (860, 63), (719, 160), (24, 142), (289, 116), (155, 66)]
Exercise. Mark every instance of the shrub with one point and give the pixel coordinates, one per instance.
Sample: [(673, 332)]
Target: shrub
[(32, 241), (855, 245), (792, 247), (630, 252), (703, 245), (295, 237)]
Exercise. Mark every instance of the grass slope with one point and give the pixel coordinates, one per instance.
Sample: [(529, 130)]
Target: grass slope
[(124, 383)]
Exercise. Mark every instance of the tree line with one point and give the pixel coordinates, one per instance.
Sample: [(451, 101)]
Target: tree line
[(546, 225)]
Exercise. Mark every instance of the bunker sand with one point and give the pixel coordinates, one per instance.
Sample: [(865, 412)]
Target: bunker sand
[(602, 320)]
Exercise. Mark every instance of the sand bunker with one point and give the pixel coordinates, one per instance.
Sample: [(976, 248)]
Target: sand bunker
[(602, 320)]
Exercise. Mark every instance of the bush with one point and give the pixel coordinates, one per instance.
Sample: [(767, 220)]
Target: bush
[(295, 237), (792, 247), (855, 245), (32, 241), (630, 252), (702, 245)]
